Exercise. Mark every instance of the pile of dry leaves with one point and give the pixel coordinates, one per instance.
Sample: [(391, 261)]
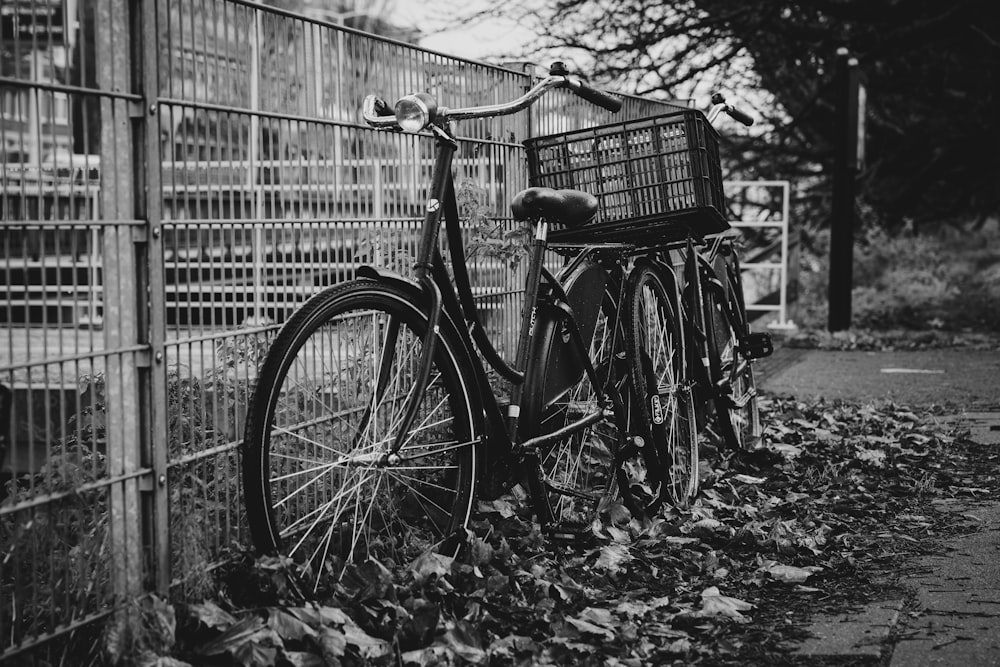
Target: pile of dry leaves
[(816, 521)]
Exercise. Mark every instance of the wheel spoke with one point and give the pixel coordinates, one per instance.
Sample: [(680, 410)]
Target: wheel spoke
[(405, 481), (316, 443), (432, 449), (322, 468), (317, 483)]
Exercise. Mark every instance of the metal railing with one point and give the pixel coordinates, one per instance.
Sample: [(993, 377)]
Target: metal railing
[(209, 174), (760, 209)]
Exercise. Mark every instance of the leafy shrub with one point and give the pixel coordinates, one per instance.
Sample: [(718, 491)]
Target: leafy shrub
[(949, 280), (56, 555)]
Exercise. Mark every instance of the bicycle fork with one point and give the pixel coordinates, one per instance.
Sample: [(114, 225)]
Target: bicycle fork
[(423, 267)]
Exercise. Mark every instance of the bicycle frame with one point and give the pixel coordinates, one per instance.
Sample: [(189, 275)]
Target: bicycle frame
[(503, 450)]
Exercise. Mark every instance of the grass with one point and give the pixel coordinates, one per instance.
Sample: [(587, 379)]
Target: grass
[(948, 280)]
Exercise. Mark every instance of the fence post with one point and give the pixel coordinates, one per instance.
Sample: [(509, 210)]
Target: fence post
[(254, 184), (123, 353), (156, 509), (847, 154)]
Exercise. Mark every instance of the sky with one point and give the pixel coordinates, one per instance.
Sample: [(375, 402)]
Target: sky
[(492, 38)]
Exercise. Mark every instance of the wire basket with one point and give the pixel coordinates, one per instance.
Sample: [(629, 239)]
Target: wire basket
[(658, 180)]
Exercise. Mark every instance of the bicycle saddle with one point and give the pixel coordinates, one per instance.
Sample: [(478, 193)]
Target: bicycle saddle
[(571, 208)]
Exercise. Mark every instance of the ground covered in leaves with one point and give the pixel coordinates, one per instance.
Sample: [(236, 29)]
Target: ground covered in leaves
[(817, 521)]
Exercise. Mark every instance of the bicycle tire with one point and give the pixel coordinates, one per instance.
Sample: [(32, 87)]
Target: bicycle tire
[(736, 397), (318, 486), (664, 405), (579, 478)]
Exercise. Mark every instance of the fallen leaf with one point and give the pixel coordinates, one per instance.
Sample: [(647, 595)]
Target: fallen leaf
[(618, 535), (332, 643), (790, 573), (369, 648), (749, 479), (510, 646), (254, 654), (427, 657), (788, 451), (463, 639), (212, 615), (234, 637), (682, 645), (333, 615), (504, 508), (587, 627), (599, 616), (713, 603), (288, 626), (431, 564), (612, 556), (167, 661)]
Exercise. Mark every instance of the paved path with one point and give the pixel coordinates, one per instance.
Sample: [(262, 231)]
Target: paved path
[(965, 378), (957, 620)]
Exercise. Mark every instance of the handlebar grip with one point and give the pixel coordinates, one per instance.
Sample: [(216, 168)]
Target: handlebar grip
[(598, 97), (376, 106), (739, 116)]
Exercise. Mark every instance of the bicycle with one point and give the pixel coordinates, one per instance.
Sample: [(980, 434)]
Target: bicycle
[(689, 344), (373, 423)]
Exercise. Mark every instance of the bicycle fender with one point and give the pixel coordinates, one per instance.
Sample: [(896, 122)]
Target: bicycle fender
[(380, 273), (663, 270), (553, 347)]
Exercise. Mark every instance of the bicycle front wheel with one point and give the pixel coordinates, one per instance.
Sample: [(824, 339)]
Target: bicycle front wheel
[(736, 402), (664, 404), (323, 483)]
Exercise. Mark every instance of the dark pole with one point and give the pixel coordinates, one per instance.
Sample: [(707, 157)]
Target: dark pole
[(844, 171)]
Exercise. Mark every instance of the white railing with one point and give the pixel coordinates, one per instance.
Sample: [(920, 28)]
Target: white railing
[(759, 203)]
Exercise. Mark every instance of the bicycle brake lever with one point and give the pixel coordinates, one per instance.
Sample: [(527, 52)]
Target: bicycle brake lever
[(378, 113)]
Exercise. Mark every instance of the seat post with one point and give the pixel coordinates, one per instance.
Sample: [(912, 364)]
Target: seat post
[(528, 313)]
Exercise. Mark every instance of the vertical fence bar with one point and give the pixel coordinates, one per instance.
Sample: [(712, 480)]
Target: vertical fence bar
[(785, 273), (120, 299), (156, 510), (253, 158)]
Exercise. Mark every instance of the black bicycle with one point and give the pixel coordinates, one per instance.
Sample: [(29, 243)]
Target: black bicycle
[(689, 343), (374, 426)]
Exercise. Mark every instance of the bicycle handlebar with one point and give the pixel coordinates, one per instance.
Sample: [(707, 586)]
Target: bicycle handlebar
[(378, 114), (719, 105), (593, 95)]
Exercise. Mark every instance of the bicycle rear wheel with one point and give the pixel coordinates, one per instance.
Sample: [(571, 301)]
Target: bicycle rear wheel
[(321, 482), (736, 402), (664, 405)]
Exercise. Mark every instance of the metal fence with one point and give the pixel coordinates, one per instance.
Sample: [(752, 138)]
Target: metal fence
[(177, 176)]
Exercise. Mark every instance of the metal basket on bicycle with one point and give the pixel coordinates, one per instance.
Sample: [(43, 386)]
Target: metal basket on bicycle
[(657, 179)]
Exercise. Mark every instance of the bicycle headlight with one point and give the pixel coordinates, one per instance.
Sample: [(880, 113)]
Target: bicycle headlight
[(415, 112)]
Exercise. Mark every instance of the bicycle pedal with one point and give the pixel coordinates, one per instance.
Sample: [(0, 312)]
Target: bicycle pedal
[(758, 345)]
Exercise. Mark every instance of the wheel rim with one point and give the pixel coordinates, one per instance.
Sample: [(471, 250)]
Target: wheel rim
[(666, 396), (744, 416), (334, 495)]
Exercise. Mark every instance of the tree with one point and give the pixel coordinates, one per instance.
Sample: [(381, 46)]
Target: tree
[(932, 79)]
